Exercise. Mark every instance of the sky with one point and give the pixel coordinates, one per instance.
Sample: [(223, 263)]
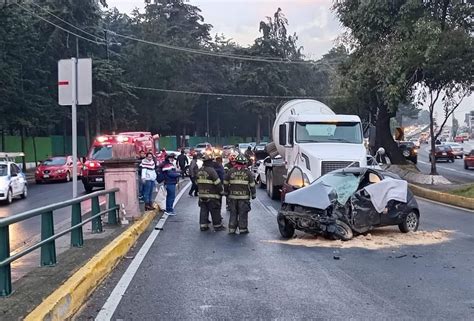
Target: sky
[(313, 21)]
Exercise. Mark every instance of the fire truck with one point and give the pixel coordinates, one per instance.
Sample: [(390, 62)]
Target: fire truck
[(101, 150)]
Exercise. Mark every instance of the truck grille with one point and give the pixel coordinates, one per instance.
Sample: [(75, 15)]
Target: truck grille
[(329, 166)]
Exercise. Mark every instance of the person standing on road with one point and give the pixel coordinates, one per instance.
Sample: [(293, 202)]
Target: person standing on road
[(193, 170), (148, 177), (142, 156), (249, 155), (182, 162), (239, 186), (210, 194), (170, 180)]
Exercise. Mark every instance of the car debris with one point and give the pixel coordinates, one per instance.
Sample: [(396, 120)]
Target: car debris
[(349, 201)]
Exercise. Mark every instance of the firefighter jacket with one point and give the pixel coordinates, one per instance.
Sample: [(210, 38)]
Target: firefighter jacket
[(239, 184), (209, 183)]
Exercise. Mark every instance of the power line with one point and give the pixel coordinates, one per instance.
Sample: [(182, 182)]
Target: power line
[(230, 95), (57, 26), (66, 22)]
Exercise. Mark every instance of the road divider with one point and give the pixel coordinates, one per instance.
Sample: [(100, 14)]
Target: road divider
[(442, 197)]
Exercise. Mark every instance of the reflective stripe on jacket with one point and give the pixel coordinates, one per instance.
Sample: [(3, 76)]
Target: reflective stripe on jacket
[(239, 184), (209, 183)]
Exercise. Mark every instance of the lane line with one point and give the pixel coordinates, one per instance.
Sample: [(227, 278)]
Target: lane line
[(267, 208), (109, 307), (448, 169)]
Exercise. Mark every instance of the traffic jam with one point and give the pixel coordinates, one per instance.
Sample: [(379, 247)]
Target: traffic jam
[(332, 189)]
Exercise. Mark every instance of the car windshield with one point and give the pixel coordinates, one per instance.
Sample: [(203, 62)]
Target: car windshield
[(3, 170), (347, 132), (103, 152), (55, 161), (344, 184)]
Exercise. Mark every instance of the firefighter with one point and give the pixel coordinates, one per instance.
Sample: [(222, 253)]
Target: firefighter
[(210, 195), (239, 186)]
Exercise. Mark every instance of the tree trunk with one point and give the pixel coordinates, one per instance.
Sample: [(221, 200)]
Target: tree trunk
[(384, 137), (258, 129), (87, 129), (433, 146)]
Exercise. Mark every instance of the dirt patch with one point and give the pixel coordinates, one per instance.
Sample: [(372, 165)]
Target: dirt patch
[(377, 239)]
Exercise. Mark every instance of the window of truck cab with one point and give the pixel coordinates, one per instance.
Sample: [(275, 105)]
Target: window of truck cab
[(102, 152), (329, 132)]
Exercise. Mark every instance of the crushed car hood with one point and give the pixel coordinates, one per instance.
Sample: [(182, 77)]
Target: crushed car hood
[(314, 195)]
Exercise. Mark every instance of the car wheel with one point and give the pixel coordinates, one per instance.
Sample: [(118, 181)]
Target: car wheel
[(25, 192), (465, 166), (410, 223), (88, 188), (9, 199), (343, 231), (260, 183), (287, 230), (68, 177)]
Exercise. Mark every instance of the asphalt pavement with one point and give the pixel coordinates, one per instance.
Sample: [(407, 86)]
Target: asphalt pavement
[(38, 195), (193, 275), (454, 172)]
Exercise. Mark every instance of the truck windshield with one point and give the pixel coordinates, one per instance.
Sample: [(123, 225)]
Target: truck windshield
[(347, 132), (101, 152)]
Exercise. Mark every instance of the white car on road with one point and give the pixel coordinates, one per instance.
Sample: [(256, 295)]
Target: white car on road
[(12, 182)]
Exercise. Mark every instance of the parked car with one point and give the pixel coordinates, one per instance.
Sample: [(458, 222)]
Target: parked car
[(409, 151), (12, 181), (458, 150), (469, 159), (58, 168), (243, 147), (260, 147), (348, 201), (201, 148), (443, 152)]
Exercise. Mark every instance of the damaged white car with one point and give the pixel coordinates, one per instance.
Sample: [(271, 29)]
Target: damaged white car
[(347, 202)]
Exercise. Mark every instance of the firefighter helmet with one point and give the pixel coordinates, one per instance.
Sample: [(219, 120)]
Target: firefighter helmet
[(241, 159)]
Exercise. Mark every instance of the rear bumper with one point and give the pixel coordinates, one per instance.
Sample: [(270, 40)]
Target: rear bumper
[(95, 181)]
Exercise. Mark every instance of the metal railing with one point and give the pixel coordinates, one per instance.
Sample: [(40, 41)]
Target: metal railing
[(47, 243)]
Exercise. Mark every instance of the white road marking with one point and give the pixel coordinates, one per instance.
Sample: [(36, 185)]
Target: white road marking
[(447, 205), (449, 169), (272, 210), (115, 297), (267, 209)]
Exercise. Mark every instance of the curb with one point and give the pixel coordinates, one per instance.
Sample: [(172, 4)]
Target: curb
[(70, 296), (459, 201)]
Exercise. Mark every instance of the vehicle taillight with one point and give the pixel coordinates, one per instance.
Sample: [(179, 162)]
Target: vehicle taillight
[(91, 165)]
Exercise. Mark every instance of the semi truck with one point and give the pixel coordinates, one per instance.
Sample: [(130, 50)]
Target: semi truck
[(310, 140)]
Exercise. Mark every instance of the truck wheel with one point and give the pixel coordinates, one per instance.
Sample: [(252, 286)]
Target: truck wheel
[(343, 231), (410, 223), (287, 230), (273, 192)]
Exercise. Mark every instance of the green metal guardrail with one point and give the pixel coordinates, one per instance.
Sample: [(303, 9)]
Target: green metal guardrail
[(47, 243)]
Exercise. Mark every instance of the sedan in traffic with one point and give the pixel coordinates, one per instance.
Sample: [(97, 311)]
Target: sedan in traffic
[(58, 168), (458, 150), (12, 182), (443, 152), (469, 160)]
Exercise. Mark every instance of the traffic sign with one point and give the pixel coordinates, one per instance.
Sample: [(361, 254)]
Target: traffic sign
[(66, 81)]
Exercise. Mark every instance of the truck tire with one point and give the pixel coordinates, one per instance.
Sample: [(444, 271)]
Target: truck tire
[(272, 190), (259, 182)]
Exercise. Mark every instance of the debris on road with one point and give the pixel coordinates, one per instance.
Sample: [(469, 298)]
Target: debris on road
[(378, 239)]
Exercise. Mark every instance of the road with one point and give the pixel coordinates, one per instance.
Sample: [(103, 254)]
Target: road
[(193, 275), (38, 195), (454, 172)]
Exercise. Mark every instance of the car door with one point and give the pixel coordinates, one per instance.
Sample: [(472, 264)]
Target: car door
[(21, 179), (293, 182), (14, 179)]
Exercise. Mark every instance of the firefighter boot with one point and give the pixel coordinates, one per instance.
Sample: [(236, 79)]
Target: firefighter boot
[(204, 227)]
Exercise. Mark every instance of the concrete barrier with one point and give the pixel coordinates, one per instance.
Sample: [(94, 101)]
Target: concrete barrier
[(450, 199)]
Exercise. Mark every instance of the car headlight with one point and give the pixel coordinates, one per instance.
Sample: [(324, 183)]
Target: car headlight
[(60, 171)]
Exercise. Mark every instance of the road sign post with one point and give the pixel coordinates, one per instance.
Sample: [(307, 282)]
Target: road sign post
[(74, 88)]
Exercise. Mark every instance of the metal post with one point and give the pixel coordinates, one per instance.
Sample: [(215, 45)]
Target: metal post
[(74, 127), (96, 222), (5, 271), (207, 116), (48, 250), (112, 217), (77, 238)]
